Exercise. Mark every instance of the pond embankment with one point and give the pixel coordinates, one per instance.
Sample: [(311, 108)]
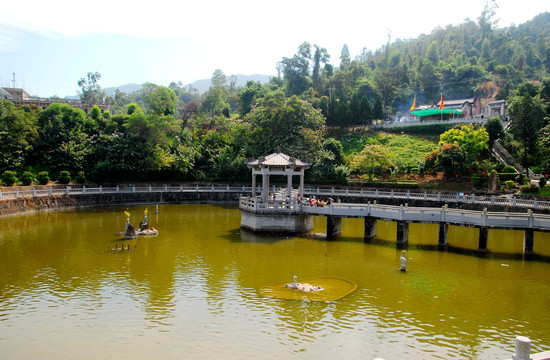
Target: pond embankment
[(24, 205)]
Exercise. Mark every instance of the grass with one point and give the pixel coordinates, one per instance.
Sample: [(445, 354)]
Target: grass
[(405, 151), (545, 191)]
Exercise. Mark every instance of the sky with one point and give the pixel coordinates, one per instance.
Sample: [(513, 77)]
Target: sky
[(50, 45)]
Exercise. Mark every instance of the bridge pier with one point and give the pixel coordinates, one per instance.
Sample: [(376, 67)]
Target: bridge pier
[(276, 222), (443, 234), (528, 241), (334, 226), (483, 235), (402, 232), (371, 225)]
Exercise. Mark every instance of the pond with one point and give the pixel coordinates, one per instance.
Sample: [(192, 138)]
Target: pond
[(195, 290)]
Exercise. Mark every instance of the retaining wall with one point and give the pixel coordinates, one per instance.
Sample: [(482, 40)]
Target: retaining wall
[(48, 203)]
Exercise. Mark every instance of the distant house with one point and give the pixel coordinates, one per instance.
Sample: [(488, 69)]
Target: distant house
[(492, 108), (468, 107), (21, 97), (15, 94)]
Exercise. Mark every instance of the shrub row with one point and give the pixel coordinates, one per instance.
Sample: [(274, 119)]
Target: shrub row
[(10, 178)]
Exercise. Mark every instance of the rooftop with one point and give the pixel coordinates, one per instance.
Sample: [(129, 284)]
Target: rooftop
[(278, 159)]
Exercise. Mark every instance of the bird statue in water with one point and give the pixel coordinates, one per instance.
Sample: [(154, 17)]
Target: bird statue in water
[(403, 259)]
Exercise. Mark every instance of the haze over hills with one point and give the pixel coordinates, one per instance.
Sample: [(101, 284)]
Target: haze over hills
[(201, 85)]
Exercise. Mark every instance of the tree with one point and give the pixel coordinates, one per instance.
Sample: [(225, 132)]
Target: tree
[(218, 79), (248, 96), (91, 91), (378, 111), (161, 101), (389, 83), (296, 70), (366, 111), (345, 58), (527, 112), (373, 159), (214, 100), (494, 129), (486, 50), (62, 143), (484, 20), (469, 139), (150, 142), (452, 160), (291, 125), (17, 133), (321, 56), (428, 78), (432, 54), (336, 149), (343, 114), (355, 107)]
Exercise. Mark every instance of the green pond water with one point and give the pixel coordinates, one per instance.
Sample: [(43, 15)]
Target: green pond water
[(195, 290)]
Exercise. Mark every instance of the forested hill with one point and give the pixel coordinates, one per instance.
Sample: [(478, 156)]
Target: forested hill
[(474, 58), (460, 61)]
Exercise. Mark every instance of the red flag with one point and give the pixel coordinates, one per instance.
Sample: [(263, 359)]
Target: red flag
[(442, 103), (414, 104)]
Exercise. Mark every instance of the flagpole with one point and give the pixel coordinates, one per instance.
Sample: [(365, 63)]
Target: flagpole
[(441, 108)]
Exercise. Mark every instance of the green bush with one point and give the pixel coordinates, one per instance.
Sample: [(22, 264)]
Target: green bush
[(80, 177), (479, 180), (64, 177), (537, 169), (43, 178), (341, 174), (507, 176), (509, 184), (27, 178), (542, 181), (509, 169), (528, 189), (520, 179), (9, 178)]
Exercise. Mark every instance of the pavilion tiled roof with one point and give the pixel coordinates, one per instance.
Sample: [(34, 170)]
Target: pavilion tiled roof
[(278, 159)]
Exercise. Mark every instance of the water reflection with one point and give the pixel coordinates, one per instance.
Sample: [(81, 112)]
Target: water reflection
[(195, 290)]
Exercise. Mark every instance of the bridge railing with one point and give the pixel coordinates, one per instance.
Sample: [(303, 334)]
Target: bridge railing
[(527, 220), (371, 195)]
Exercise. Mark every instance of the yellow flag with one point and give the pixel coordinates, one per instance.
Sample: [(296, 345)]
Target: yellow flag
[(414, 104)]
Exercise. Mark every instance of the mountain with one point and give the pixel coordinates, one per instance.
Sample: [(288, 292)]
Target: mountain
[(201, 85), (128, 88)]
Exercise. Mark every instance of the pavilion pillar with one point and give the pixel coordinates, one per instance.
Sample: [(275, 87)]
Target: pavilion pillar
[(265, 186), (289, 185), (253, 184), (302, 183)]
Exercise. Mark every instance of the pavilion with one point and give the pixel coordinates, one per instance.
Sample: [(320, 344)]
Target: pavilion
[(277, 164), (260, 213)]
